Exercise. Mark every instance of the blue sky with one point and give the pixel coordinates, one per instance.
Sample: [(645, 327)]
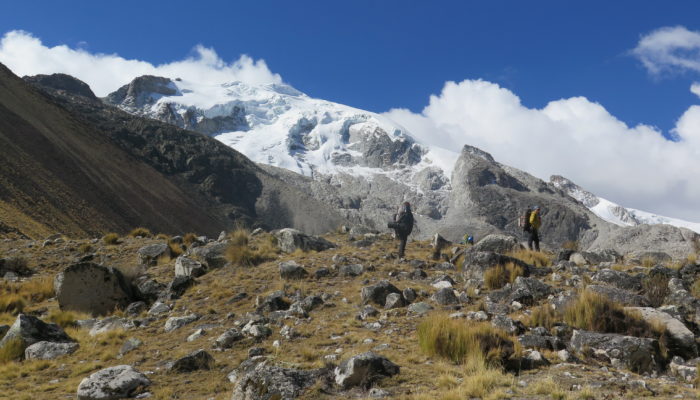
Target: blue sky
[(378, 55), (588, 90)]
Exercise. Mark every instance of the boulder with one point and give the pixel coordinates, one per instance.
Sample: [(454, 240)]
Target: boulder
[(419, 308), (174, 323), (29, 330), (258, 381), (624, 297), (445, 296), (256, 330), (158, 308), (507, 324), (652, 257), (212, 254), (364, 370), (524, 291), (409, 295), (49, 350), (394, 300), (91, 288), (197, 360), (686, 370), (290, 240), (496, 243), (351, 270), (129, 345), (377, 293), (176, 288), (185, 266), (148, 289), (110, 324), (681, 339), (135, 308), (149, 255), (636, 354), (292, 270), (121, 381), (272, 302), (367, 312), (619, 279), (533, 359), (541, 342), (476, 262), (228, 338)]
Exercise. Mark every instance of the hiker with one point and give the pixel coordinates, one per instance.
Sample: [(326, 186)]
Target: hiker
[(402, 225), (534, 222)]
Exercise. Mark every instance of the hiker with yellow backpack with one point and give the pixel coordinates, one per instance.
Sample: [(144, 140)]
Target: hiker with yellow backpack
[(531, 223)]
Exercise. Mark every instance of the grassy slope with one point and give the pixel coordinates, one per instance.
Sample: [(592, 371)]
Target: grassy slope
[(331, 330)]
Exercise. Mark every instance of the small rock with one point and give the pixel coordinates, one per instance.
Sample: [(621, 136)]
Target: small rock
[(174, 323), (394, 300), (196, 335), (420, 308), (363, 370), (159, 308), (197, 360), (292, 270), (445, 296), (228, 338), (130, 345), (49, 350)]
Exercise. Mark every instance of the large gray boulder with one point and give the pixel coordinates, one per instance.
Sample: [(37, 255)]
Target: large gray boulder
[(498, 243), (185, 266), (149, 255), (477, 262), (29, 330), (636, 354), (292, 270), (622, 296), (91, 288), (619, 279), (377, 293), (289, 240), (49, 350), (682, 339), (119, 382), (256, 380), (363, 370), (198, 359)]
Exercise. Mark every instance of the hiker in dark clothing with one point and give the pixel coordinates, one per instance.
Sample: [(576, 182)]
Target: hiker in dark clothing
[(535, 222), (402, 225)]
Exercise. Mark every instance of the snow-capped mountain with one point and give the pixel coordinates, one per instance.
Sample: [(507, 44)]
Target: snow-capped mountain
[(277, 125), (615, 213)]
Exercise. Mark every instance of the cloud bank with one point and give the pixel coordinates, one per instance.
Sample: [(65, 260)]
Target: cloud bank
[(633, 166), (26, 55), (669, 50)]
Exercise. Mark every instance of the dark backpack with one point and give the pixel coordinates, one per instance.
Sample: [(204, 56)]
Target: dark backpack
[(525, 221)]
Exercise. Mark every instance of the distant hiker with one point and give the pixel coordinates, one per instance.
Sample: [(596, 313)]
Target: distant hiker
[(402, 225), (533, 228), (468, 239)]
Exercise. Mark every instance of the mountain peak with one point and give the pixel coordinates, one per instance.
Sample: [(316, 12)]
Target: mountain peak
[(63, 82)]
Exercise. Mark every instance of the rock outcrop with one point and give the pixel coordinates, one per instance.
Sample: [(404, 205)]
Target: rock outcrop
[(92, 288)]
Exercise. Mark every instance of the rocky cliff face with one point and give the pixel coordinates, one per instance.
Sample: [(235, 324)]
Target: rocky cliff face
[(216, 187)]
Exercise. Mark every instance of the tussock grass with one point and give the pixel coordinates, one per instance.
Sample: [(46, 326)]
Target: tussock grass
[(587, 393), (462, 342), (66, 318), (85, 248), (655, 287), (20, 265), (242, 251), (544, 316), (14, 297), (12, 350), (140, 231), (496, 277), (594, 312), (536, 258), (189, 238), (175, 249), (162, 236), (549, 387), (110, 238)]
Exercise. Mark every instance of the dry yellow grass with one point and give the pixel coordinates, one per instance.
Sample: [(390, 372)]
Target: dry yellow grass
[(536, 258), (463, 342), (140, 232), (111, 238), (544, 316), (12, 350), (242, 251), (14, 297), (496, 277)]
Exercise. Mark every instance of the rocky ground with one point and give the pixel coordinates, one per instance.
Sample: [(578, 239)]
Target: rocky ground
[(339, 320)]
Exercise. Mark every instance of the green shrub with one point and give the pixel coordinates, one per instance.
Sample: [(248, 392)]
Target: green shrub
[(463, 342)]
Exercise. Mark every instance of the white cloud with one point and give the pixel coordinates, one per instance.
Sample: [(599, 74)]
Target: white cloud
[(26, 55), (669, 49), (695, 88), (634, 166)]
